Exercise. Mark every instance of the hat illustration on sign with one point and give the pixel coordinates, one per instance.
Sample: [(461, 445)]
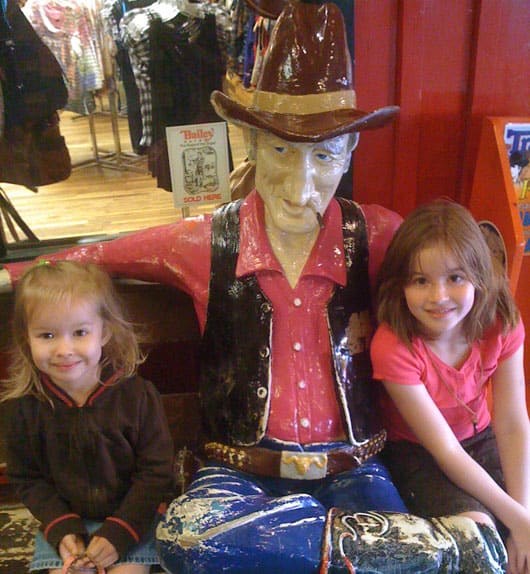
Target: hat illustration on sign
[(305, 89)]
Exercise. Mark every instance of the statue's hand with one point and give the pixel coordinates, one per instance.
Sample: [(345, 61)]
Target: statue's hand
[(5, 282)]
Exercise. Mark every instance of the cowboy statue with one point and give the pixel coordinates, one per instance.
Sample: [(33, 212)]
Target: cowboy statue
[(280, 282)]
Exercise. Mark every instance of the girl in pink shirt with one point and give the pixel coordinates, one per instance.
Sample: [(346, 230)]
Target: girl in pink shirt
[(448, 325)]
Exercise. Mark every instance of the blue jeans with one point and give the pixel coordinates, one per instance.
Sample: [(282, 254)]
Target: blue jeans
[(46, 557), (229, 521)]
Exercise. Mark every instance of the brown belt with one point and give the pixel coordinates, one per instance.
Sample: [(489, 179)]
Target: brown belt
[(293, 464)]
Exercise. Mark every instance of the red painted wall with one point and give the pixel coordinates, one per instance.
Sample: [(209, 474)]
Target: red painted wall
[(447, 65)]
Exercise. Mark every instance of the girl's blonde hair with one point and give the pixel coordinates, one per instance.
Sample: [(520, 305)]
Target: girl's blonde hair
[(451, 226), (59, 283)]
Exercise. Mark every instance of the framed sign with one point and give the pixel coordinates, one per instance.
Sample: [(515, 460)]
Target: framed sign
[(198, 162)]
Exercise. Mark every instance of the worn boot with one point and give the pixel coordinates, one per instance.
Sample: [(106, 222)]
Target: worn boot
[(394, 543)]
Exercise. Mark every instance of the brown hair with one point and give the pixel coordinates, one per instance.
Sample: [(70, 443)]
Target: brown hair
[(58, 283), (446, 223)]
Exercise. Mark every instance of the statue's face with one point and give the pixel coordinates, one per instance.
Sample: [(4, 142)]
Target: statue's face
[(296, 180)]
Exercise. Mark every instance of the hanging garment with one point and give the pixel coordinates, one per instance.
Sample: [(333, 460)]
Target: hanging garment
[(112, 14), (34, 154), (67, 28), (32, 150), (34, 86), (186, 67)]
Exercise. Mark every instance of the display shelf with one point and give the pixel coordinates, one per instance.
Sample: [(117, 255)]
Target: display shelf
[(497, 199)]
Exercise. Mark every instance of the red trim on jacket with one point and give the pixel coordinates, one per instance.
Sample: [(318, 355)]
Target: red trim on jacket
[(117, 375), (127, 527), (57, 391), (63, 395), (56, 521)]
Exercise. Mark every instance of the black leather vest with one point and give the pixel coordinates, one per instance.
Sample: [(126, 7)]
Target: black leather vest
[(235, 375)]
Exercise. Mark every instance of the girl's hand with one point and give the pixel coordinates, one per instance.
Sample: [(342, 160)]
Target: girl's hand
[(101, 552), (518, 548), (71, 545)]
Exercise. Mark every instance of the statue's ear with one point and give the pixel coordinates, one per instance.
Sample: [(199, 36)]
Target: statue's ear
[(352, 144), (354, 140)]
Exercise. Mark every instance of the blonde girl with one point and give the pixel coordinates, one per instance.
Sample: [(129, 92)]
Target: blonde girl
[(447, 326), (89, 449)]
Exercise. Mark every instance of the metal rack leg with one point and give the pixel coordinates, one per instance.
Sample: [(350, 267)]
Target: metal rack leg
[(10, 217)]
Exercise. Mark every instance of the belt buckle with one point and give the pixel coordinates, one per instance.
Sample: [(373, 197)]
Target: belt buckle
[(303, 465)]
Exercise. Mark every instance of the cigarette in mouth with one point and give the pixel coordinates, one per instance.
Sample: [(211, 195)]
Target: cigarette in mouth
[(318, 215)]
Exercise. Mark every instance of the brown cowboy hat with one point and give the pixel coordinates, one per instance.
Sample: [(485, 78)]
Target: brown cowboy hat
[(305, 90)]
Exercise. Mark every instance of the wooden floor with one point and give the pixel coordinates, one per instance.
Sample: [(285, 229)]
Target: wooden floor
[(97, 199)]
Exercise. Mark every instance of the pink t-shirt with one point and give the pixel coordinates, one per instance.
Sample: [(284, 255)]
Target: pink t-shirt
[(394, 362)]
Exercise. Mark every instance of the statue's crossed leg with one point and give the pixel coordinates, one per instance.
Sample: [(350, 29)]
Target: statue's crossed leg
[(225, 523)]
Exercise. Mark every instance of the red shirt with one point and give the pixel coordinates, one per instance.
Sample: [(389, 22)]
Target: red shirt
[(393, 361), (304, 408)]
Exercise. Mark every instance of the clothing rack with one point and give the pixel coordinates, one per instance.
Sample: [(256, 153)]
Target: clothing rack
[(116, 159)]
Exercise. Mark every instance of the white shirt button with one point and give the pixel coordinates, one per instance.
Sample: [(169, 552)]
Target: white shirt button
[(301, 385), (297, 346), (304, 423), (297, 302)]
